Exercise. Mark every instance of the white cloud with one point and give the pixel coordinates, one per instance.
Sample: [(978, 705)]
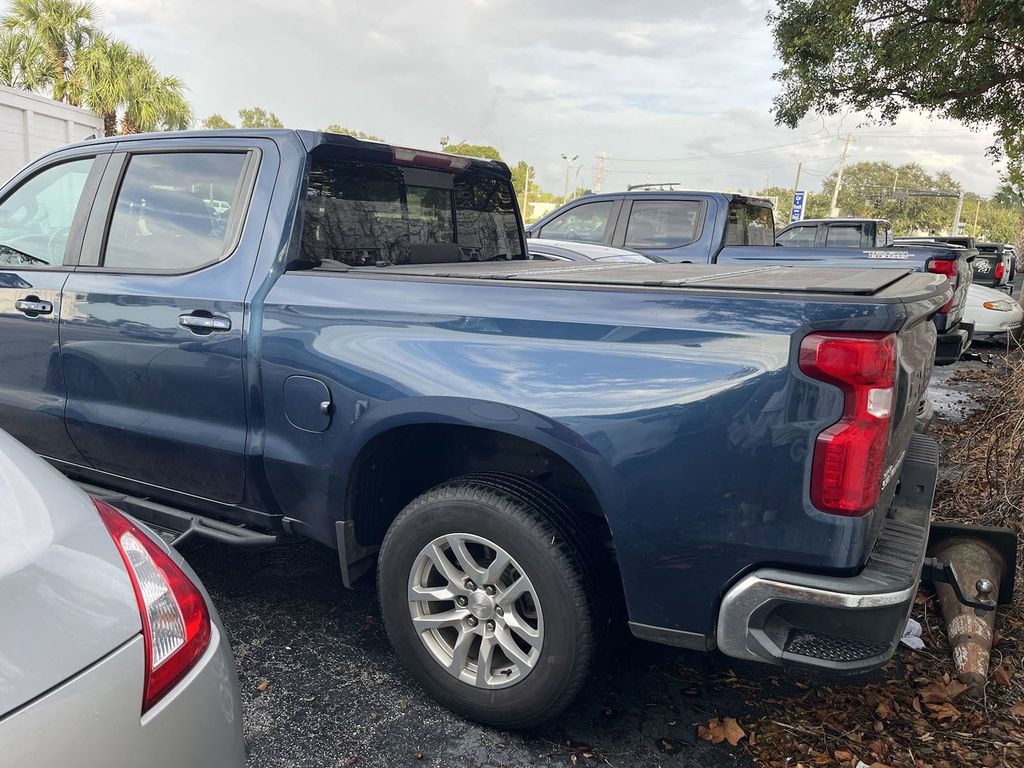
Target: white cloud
[(655, 79)]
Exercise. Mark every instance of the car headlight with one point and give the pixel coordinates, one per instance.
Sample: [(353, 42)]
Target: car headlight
[(1002, 305)]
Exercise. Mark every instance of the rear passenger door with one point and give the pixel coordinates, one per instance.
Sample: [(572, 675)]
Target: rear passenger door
[(152, 336), (664, 229)]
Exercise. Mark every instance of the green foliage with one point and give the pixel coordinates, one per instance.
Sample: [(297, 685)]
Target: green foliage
[(216, 122), (56, 45), (155, 102), (961, 59), (54, 30), (343, 131), (23, 62), (879, 190), (257, 117), (102, 78), (484, 151)]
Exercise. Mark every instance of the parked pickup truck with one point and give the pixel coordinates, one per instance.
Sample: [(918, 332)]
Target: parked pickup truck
[(718, 228), (836, 233), (254, 334)]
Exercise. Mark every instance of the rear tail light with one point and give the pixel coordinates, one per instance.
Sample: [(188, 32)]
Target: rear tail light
[(440, 160), (849, 456), (175, 619), (1000, 270), (949, 269)]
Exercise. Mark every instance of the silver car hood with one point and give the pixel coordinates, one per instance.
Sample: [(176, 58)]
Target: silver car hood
[(65, 597)]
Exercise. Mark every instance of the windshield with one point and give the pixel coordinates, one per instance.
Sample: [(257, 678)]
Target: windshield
[(364, 214)]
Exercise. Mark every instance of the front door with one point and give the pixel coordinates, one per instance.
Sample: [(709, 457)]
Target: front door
[(41, 220), (152, 338)]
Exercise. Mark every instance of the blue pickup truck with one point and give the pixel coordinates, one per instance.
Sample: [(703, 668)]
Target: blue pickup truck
[(721, 228), (249, 335)]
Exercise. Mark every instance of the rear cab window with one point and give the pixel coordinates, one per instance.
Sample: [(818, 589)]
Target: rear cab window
[(362, 213), (749, 224)]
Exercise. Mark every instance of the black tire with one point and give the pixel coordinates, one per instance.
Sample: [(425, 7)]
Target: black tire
[(536, 529)]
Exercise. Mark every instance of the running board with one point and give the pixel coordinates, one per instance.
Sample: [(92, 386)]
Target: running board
[(175, 525)]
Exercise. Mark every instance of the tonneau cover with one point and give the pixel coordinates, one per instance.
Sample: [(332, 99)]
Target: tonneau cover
[(790, 279)]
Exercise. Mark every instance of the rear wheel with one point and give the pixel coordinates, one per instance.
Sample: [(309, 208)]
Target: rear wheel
[(484, 594)]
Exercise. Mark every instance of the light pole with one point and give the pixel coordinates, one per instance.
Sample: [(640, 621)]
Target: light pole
[(568, 164)]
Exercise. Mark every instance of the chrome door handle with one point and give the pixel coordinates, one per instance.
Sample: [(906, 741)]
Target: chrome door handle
[(205, 323), (33, 306)]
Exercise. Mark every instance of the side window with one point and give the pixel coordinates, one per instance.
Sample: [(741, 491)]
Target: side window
[(843, 236), (662, 223), (799, 237), (884, 236), (172, 210), (35, 219), (585, 223)]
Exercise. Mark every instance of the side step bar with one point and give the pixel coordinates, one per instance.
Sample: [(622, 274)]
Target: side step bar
[(175, 525)]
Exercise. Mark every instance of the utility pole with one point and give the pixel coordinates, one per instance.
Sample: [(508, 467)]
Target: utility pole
[(796, 184), (834, 210), (602, 158), (977, 210), (956, 216), (526, 192), (568, 166)]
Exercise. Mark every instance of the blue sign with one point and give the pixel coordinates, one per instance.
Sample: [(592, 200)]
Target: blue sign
[(798, 206)]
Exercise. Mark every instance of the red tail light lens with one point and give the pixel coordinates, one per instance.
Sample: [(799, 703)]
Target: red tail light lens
[(1000, 270), (849, 456), (175, 619), (947, 268), (440, 160)]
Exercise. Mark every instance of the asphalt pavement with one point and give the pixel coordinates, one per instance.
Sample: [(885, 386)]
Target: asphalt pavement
[(321, 687)]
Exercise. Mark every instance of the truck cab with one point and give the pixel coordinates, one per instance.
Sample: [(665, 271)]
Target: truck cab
[(836, 233), (666, 225)]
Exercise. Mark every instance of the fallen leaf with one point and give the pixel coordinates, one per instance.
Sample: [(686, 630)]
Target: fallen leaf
[(1002, 674), (1017, 710), (944, 712), (990, 761), (917, 705), (882, 710), (843, 756), (418, 755), (262, 685), (733, 732), (403, 704)]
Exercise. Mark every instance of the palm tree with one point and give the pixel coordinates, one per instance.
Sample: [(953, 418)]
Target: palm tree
[(155, 102), (23, 62), (102, 77), (60, 28)]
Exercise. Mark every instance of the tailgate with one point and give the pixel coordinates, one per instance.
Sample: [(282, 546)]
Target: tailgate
[(915, 357)]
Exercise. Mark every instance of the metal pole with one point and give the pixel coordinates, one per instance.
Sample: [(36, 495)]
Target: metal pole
[(526, 193), (956, 216), (796, 184), (834, 208), (977, 210)]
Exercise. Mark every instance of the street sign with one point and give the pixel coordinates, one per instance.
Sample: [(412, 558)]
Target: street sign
[(798, 206)]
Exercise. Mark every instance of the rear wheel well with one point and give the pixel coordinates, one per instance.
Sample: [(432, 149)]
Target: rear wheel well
[(398, 465)]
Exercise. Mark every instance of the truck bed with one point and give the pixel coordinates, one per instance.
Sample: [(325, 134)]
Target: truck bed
[(767, 278)]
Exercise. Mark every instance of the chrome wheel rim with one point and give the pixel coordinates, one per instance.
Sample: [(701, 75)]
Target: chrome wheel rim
[(476, 611)]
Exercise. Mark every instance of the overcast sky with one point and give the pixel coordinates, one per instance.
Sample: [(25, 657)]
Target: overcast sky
[(658, 85)]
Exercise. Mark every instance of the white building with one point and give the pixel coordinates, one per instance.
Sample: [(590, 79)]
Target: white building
[(32, 125)]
